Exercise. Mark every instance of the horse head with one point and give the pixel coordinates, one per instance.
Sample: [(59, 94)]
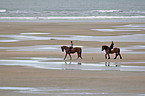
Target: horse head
[(63, 47), (104, 47)]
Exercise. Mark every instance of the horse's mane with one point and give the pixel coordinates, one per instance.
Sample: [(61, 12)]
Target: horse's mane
[(105, 46), (64, 46)]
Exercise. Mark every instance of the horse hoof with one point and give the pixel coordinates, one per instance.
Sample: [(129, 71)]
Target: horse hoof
[(114, 58)]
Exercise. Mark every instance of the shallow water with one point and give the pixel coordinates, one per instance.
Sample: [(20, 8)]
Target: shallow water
[(48, 63), (63, 91), (9, 40), (34, 48), (35, 33), (132, 26), (114, 30), (121, 38), (49, 36), (124, 28)]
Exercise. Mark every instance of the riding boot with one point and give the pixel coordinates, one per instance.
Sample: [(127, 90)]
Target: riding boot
[(109, 50), (70, 49), (69, 52)]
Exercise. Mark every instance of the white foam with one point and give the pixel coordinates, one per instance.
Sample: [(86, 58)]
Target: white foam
[(1, 11), (70, 18), (29, 18), (103, 11)]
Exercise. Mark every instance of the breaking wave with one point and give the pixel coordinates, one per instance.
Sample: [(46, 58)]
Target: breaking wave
[(2, 11), (71, 18)]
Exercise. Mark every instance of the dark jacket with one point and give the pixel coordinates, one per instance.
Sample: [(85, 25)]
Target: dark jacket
[(111, 46)]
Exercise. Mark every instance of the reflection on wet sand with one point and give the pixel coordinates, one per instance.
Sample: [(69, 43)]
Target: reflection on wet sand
[(72, 66), (79, 63), (61, 65), (107, 64), (62, 78)]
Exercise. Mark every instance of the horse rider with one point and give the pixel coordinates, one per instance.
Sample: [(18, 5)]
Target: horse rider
[(71, 47), (111, 46)]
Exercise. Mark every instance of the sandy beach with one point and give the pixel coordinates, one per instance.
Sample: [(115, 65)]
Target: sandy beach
[(32, 63)]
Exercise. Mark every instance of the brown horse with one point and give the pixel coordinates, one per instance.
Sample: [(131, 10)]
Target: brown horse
[(73, 50), (115, 50)]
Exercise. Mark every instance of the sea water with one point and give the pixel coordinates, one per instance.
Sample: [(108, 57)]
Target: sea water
[(72, 10)]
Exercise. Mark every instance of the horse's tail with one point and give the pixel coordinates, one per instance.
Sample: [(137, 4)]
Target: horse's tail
[(80, 51)]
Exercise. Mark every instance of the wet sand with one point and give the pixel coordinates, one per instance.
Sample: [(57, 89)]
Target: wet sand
[(20, 42)]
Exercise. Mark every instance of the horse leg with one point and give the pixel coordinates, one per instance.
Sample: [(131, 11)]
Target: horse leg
[(116, 56), (79, 55), (120, 56), (105, 56), (65, 56), (70, 56), (108, 56)]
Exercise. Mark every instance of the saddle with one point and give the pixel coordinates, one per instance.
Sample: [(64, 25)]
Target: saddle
[(71, 49)]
